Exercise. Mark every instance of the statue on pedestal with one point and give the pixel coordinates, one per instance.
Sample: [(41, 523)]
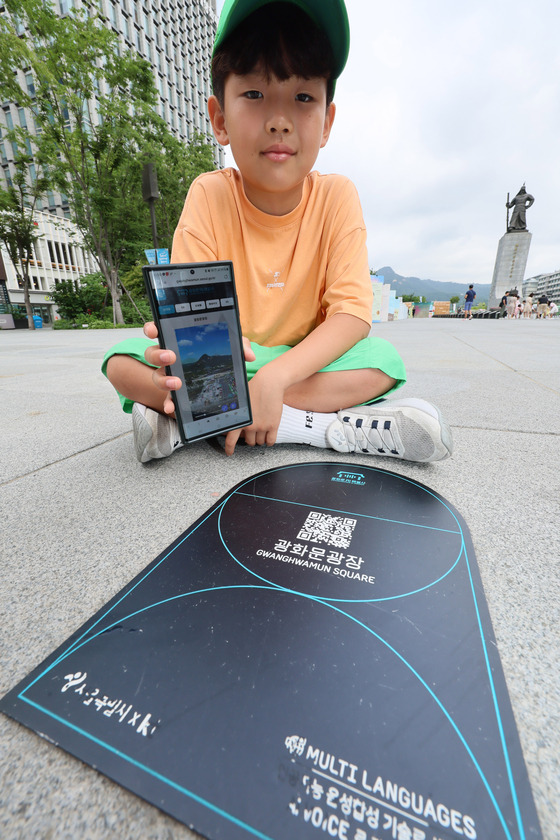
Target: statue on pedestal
[(520, 203)]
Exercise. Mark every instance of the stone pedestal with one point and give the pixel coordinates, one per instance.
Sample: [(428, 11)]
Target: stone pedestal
[(511, 260)]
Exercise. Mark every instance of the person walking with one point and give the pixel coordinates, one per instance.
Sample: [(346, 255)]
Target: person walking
[(470, 295)]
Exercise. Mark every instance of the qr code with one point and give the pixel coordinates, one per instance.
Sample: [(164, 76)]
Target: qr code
[(323, 528)]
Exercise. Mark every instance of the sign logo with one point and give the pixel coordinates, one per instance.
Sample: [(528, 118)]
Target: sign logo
[(345, 477)]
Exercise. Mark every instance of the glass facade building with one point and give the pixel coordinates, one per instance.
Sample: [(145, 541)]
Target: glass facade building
[(176, 38)]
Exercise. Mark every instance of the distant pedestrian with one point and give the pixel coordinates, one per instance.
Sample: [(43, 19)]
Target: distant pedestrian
[(528, 306), (542, 306), (512, 304), (552, 309), (503, 306), (470, 295)]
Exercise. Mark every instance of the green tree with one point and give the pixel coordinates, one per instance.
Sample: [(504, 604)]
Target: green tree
[(74, 300), (31, 179), (133, 281), (454, 299), (177, 165), (95, 107)]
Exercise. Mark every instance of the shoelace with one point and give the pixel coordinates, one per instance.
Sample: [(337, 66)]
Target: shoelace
[(368, 435)]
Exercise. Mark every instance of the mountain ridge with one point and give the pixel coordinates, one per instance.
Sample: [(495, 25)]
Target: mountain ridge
[(431, 289)]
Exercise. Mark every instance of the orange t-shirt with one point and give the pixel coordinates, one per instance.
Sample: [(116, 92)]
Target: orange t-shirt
[(292, 272)]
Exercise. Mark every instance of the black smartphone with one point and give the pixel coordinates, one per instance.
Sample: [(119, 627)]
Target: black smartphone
[(196, 312)]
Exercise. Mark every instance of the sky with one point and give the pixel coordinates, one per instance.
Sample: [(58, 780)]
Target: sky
[(212, 339), (443, 108)]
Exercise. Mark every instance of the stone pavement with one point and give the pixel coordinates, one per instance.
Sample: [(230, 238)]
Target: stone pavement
[(81, 517)]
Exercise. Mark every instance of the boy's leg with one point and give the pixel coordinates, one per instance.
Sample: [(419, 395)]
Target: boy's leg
[(372, 369), (411, 429), (330, 391), (133, 382), (125, 366), (127, 370)]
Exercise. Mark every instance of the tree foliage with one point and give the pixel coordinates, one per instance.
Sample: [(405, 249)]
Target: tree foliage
[(18, 201), (76, 300), (94, 108), (87, 302), (177, 165)]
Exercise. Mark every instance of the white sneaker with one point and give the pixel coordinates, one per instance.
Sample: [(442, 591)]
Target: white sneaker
[(410, 429), (155, 434)]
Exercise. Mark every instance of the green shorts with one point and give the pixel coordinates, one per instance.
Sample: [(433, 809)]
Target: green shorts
[(370, 352)]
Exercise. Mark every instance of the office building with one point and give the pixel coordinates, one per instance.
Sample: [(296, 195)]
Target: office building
[(176, 38), (544, 284), (58, 255)]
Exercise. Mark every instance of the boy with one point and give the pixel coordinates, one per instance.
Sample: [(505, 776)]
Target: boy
[(298, 245)]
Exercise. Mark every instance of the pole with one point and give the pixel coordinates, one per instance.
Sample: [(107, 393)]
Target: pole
[(150, 194), (507, 214), (151, 204)]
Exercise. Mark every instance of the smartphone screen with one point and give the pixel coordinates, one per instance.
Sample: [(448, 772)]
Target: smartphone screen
[(196, 313)]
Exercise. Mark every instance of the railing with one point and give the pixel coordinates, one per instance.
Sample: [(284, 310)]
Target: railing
[(475, 313)]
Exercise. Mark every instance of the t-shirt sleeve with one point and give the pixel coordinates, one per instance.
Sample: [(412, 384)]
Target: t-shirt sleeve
[(194, 239), (348, 286)]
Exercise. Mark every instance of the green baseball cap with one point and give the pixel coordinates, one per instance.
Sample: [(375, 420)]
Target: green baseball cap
[(329, 15)]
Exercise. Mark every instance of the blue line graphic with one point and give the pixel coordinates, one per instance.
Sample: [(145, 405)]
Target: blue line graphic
[(85, 638), (459, 532), (155, 774), (273, 588), (347, 512)]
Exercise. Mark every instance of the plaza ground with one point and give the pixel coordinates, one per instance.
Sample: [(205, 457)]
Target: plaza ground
[(81, 517)]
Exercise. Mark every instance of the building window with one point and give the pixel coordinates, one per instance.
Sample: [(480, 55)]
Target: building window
[(30, 84)]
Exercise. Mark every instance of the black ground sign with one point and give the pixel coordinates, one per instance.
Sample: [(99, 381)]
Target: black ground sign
[(312, 658)]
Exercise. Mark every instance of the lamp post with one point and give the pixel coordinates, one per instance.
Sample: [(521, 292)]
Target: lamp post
[(150, 194)]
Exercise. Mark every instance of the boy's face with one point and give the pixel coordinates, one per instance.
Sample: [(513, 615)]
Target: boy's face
[(275, 130)]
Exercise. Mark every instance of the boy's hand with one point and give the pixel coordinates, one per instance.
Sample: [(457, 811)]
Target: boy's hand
[(267, 398), (160, 358)]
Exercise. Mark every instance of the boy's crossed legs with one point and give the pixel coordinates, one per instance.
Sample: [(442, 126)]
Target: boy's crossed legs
[(411, 429)]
